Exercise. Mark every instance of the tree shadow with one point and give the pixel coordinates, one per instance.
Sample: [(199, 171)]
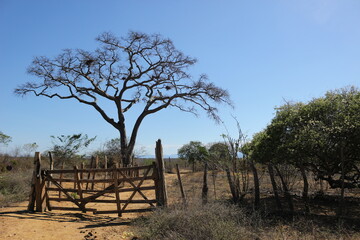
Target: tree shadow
[(91, 220), (322, 213)]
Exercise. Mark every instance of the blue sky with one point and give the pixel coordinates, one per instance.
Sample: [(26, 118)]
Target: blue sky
[(263, 52)]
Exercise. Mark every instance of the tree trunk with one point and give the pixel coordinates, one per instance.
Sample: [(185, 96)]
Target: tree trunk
[(273, 183), (126, 151), (234, 192), (127, 146), (256, 185), (205, 188), (305, 188), (286, 190), (214, 174), (342, 193), (125, 159)]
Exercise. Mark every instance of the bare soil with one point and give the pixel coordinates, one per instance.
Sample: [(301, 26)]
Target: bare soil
[(17, 223)]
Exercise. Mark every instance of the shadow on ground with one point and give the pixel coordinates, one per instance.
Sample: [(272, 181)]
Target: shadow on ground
[(92, 221)]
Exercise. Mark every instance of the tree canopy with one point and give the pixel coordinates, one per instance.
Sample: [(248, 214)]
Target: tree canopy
[(193, 152), (139, 69), (66, 147), (4, 139), (323, 135)]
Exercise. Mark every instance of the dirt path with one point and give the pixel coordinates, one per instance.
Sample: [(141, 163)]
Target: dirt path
[(16, 223)]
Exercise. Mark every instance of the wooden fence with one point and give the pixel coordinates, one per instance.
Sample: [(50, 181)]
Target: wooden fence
[(101, 191)]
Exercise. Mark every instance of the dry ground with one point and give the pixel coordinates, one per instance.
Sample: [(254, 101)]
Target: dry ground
[(17, 223)]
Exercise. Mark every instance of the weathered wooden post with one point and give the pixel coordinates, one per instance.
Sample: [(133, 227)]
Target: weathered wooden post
[(82, 167), (89, 173), (183, 196), (105, 162), (105, 167), (116, 190), (51, 159), (96, 161), (61, 176), (79, 187), (137, 172), (169, 166), (162, 198), (36, 186), (94, 173)]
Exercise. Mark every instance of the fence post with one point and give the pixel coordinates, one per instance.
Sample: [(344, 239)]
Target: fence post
[(116, 190), (79, 187), (94, 173), (161, 172), (51, 166), (61, 176), (38, 183), (89, 173), (105, 167), (36, 186), (96, 161), (183, 196), (31, 204)]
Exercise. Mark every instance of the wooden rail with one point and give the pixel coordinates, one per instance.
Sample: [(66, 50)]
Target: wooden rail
[(81, 186)]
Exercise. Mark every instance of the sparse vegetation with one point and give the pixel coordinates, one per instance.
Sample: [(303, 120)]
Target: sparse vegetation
[(66, 148), (221, 220), (196, 221), (14, 186), (317, 207), (4, 139)]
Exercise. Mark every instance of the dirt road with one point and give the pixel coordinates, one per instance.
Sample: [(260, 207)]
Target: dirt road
[(17, 223)]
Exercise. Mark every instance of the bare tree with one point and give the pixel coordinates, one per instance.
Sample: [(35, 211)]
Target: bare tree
[(141, 69), (226, 156)]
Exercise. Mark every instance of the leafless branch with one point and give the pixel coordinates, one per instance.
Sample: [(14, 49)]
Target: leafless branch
[(141, 69)]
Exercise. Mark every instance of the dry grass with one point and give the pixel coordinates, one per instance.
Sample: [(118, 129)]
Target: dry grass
[(211, 221), (225, 221), (15, 179), (14, 186), (221, 220)]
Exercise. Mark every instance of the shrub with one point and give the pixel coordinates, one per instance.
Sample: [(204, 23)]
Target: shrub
[(227, 221), (14, 186), (210, 221)]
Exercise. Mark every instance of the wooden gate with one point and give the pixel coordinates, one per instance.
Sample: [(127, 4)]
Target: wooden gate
[(101, 191)]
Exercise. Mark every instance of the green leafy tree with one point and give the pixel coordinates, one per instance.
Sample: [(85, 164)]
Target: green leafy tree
[(322, 135), (333, 133), (67, 147), (4, 139), (219, 153), (193, 152), (139, 75)]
